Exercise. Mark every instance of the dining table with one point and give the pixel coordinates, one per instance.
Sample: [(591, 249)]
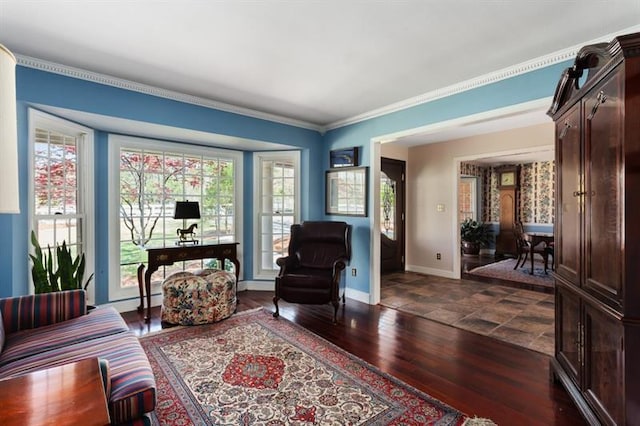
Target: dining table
[(535, 238)]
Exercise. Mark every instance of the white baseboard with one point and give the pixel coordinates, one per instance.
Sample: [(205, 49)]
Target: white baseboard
[(256, 285), (129, 305), (357, 295), (430, 271)]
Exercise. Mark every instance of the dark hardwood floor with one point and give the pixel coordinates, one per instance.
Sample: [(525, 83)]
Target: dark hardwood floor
[(479, 376)]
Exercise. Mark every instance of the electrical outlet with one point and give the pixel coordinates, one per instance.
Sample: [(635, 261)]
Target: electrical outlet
[(353, 272), (438, 256)]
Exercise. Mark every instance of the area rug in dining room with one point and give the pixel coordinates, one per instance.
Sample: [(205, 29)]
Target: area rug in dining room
[(504, 270), (253, 369)]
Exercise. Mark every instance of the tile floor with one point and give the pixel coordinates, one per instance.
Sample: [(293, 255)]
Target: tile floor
[(522, 317)]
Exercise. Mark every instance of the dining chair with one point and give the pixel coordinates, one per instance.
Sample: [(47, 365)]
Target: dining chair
[(524, 248)]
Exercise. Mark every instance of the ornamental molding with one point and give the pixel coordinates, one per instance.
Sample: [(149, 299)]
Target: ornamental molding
[(489, 78), (463, 86), (120, 83)]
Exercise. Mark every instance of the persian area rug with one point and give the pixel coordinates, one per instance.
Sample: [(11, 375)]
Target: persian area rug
[(504, 270), (253, 369)]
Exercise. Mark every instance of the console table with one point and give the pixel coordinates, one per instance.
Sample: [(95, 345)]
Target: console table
[(70, 394), (157, 257)]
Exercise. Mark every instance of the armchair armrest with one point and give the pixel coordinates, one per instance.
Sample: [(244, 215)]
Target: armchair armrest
[(36, 310), (287, 262), (339, 266)]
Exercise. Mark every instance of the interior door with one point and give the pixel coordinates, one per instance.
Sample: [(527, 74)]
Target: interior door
[(392, 215)]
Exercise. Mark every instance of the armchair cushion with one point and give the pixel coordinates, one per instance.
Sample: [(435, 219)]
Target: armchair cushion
[(308, 277)]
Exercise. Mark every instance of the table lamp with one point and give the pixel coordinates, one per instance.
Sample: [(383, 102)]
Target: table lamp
[(187, 210)]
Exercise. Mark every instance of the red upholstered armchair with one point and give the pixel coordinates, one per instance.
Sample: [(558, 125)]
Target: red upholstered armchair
[(310, 274)]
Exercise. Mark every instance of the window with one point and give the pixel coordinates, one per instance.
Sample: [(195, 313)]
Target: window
[(387, 206), (150, 177), (277, 203), (61, 186), (467, 199)]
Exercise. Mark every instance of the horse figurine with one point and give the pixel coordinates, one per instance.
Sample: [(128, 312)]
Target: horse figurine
[(184, 233)]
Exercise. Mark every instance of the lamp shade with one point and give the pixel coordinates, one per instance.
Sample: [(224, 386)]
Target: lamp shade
[(9, 195), (187, 210)]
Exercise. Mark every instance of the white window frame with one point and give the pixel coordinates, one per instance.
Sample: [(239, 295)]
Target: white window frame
[(116, 143), (85, 159), (475, 200), (292, 156)]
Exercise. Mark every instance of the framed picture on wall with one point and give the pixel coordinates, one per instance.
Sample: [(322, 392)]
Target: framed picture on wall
[(346, 191), (346, 157)]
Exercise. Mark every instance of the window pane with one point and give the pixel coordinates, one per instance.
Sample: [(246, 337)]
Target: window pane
[(169, 177), (277, 207), (55, 174)]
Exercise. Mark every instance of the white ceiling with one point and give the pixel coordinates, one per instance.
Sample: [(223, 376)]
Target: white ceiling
[(321, 61)]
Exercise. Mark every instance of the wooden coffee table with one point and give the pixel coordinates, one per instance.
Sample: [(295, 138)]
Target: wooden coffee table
[(71, 394)]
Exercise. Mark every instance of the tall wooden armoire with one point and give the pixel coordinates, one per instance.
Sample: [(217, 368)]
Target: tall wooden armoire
[(596, 109)]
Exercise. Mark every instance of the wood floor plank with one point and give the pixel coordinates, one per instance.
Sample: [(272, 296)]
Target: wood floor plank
[(477, 375)]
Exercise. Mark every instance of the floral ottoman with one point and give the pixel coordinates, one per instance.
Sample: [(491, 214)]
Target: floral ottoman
[(201, 297)]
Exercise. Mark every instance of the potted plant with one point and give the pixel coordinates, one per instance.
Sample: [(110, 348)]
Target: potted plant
[(66, 274), (474, 234)]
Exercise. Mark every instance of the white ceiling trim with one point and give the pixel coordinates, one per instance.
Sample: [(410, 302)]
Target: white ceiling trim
[(485, 79), (503, 74), (95, 77), (473, 83)]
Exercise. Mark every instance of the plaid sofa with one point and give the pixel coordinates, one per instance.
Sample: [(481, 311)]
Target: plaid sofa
[(47, 330)]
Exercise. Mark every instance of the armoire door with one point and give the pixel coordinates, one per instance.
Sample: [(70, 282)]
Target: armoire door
[(603, 131), (569, 193), (568, 333), (604, 365)]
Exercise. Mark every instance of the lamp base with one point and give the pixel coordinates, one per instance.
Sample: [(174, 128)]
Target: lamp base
[(187, 235), (187, 242)]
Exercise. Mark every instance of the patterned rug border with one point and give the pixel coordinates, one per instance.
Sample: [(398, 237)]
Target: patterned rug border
[(263, 316)]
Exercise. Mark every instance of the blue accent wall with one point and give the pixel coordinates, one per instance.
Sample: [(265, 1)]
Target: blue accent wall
[(527, 87), (40, 87), (36, 87)]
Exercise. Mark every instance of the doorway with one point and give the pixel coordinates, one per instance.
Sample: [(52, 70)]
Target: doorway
[(392, 215)]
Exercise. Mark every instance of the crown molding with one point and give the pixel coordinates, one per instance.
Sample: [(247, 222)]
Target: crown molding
[(503, 74), (463, 86), (52, 67)]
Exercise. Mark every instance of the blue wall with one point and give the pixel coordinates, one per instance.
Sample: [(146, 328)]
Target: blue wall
[(531, 86), (39, 87)]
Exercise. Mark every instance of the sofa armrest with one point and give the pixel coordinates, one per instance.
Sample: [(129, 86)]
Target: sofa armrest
[(36, 310)]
